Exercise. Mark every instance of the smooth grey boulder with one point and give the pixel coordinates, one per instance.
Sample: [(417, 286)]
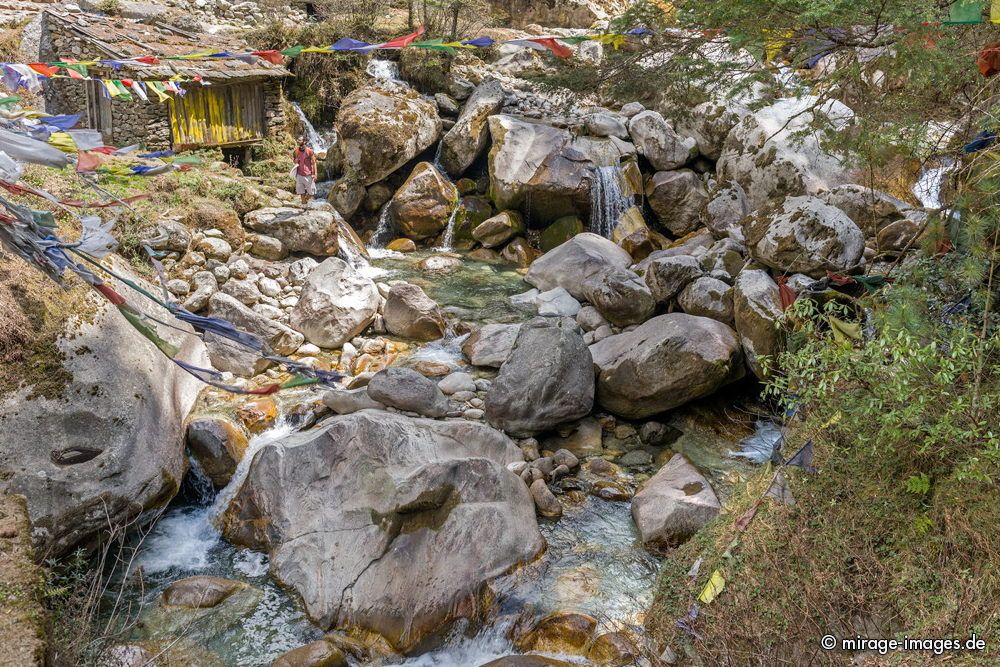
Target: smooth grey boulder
[(387, 523), (490, 344), (547, 380), (406, 389), (667, 276), (314, 232), (336, 304), (657, 141), (410, 313), (804, 236), (105, 441), (621, 296), (346, 401), (708, 297), (756, 309), (871, 210), (725, 211), (673, 505), (572, 263), (664, 363), (227, 355), (677, 198), (467, 139)]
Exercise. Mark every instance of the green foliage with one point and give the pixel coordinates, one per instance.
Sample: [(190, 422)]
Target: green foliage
[(425, 70), (918, 484)]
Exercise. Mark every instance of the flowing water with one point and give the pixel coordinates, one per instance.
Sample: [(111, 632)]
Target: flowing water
[(383, 230), (607, 200), (320, 143), (928, 187), (383, 70), (448, 238)]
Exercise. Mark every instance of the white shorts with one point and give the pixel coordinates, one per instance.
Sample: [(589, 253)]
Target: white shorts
[(305, 185)]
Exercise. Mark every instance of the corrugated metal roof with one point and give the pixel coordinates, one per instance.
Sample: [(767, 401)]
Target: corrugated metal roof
[(116, 38)]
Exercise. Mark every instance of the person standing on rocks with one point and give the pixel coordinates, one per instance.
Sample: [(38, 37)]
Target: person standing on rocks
[(305, 170)]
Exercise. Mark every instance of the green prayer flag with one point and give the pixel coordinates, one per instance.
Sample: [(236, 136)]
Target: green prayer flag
[(574, 40), (434, 45), (136, 320), (842, 331), (965, 12), (76, 67), (9, 99), (292, 51), (122, 90)]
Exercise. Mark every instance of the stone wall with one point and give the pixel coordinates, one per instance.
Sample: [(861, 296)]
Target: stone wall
[(274, 108), (22, 616)]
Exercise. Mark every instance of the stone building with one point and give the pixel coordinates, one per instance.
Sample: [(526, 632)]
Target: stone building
[(235, 105)]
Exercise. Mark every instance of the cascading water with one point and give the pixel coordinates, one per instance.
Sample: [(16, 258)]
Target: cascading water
[(383, 230), (607, 200), (320, 143), (927, 189), (383, 70), (448, 239)]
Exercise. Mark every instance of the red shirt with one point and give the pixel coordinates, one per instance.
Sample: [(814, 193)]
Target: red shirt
[(304, 160)]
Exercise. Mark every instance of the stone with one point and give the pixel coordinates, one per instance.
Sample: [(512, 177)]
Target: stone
[(423, 205), (756, 309), (337, 303), (632, 109), (528, 661), (547, 380), (559, 232), (557, 302), (321, 653), (870, 209), (673, 504), (664, 363), (346, 401), (573, 263), (456, 383), (499, 229), (410, 313), (635, 458), (244, 291), (725, 211), (725, 255), (205, 285), (708, 297), (347, 194), (314, 232), (401, 245), (171, 236), (300, 269), (564, 457), (589, 318), (178, 287), (656, 140), (620, 295), (439, 264), (519, 252), (491, 344), (547, 504), (897, 236), (677, 198), (614, 649), (428, 486), (666, 277), (775, 151), (383, 126), (605, 125), (214, 248), (230, 356), (804, 236), (406, 389), (560, 632), (446, 104), (266, 247), (218, 445), (547, 165), (199, 592), (467, 139), (473, 413), (257, 414)]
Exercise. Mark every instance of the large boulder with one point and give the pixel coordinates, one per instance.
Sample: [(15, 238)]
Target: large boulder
[(93, 426), (657, 141), (673, 504), (677, 198), (709, 123), (804, 236), (775, 152), (725, 211), (406, 389), (871, 210), (337, 303), (314, 232), (571, 264), (410, 313), (218, 444), (667, 276), (467, 139), (382, 126), (708, 297), (499, 229), (664, 363), (620, 295), (490, 345), (423, 205), (546, 381), (544, 169), (227, 355), (344, 509), (756, 309)]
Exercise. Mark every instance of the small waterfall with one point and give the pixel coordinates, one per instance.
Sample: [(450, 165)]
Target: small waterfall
[(448, 240), (607, 200), (318, 143), (383, 70), (384, 229), (927, 189)]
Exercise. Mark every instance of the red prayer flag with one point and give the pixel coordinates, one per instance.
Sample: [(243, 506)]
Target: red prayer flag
[(86, 162), (786, 293), (272, 56), (405, 40), (42, 68), (559, 50), (147, 60), (989, 59)]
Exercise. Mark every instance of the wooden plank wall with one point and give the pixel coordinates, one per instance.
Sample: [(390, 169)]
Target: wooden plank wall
[(218, 115)]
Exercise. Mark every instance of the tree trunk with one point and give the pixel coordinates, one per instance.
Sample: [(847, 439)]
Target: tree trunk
[(455, 9), (409, 13)]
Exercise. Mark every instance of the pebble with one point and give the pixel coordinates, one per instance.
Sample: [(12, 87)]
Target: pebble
[(477, 402), (637, 457), (456, 382), (473, 413), (482, 384), (465, 397)]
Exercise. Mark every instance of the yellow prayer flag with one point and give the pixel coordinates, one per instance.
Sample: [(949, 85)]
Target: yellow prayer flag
[(63, 141), (995, 11), (712, 589)]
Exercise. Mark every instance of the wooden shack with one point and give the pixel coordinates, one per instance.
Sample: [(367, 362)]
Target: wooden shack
[(235, 105)]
